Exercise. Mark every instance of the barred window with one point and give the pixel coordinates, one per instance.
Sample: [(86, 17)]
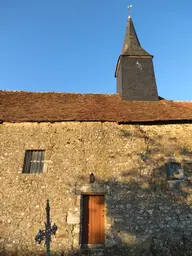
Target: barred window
[(34, 161)]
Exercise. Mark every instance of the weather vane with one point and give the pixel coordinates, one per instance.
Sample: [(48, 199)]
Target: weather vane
[(129, 7)]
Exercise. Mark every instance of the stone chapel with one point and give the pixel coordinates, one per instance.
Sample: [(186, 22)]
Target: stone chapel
[(116, 168)]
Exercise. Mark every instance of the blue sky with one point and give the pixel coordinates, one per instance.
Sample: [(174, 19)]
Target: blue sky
[(73, 45)]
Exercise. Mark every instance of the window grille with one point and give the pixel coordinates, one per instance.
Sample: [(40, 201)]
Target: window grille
[(34, 161)]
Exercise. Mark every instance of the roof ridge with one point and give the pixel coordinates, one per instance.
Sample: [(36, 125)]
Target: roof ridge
[(49, 92), (186, 101)]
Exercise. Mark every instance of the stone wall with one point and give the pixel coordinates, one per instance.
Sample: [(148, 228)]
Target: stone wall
[(145, 213)]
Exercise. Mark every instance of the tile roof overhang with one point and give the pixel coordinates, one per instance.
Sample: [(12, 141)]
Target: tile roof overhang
[(21, 106)]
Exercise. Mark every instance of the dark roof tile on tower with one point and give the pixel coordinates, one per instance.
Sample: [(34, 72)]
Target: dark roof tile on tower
[(131, 44)]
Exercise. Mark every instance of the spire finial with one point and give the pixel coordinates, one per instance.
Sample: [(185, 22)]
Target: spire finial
[(129, 7)]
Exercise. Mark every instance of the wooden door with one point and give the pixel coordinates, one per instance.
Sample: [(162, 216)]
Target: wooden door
[(93, 231)]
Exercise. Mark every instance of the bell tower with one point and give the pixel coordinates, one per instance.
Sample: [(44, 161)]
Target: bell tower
[(134, 71)]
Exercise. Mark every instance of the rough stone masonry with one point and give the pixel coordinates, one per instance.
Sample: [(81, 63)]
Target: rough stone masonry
[(145, 212)]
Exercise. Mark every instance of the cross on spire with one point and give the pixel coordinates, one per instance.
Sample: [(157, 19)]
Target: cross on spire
[(129, 8)]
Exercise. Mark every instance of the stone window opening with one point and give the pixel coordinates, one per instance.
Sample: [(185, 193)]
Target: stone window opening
[(33, 161), (174, 171)]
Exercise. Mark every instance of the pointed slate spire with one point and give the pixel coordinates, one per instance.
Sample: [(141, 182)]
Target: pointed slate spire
[(131, 44), (134, 70)]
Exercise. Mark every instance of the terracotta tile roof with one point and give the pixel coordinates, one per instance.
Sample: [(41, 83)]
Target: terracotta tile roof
[(19, 106)]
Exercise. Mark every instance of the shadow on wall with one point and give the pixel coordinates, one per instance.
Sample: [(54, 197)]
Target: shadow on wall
[(72, 253), (148, 215)]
